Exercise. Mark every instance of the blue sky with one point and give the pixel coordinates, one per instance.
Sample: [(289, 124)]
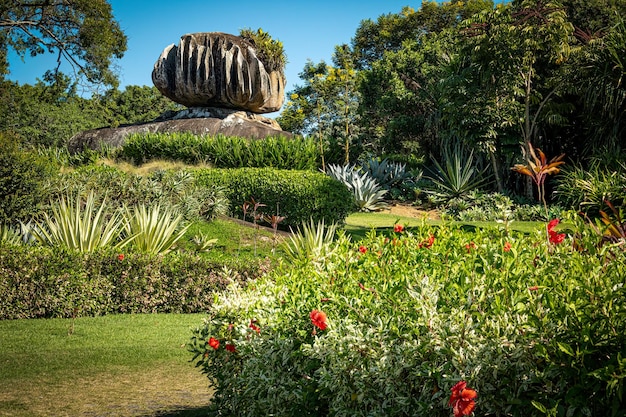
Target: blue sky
[(308, 30)]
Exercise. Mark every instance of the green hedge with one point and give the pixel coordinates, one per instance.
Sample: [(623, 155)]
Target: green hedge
[(296, 195), (222, 151), (45, 282)]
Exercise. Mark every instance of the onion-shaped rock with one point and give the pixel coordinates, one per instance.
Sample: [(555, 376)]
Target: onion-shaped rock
[(215, 69)]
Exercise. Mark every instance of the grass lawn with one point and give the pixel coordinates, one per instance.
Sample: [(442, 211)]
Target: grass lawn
[(119, 365)]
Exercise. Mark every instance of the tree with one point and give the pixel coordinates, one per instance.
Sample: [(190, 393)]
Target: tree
[(81, 32), (326, 106)]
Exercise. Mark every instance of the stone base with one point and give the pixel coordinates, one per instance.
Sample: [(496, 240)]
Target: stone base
[(196, 120)]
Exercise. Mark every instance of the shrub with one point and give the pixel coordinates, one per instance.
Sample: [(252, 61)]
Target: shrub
[(56, 282), (587, 189), (533, 325), (366, 192), (223, 151), (296, 195), (22, 178), (176, 189)]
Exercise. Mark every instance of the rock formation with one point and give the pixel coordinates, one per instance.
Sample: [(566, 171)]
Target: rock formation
[(221, 79), (218, 70), (199, 121)]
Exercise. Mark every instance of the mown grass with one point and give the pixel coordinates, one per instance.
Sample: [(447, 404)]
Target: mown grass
[(120, 365)]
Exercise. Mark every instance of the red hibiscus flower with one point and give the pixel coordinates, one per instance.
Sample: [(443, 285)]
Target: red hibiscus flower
[(230, 347), (554, 237), (427, 243), (214, 343), (120, 256), (398, 228), (254, 327), (318, 318), (462, 399), (507, 247), (362, 249)]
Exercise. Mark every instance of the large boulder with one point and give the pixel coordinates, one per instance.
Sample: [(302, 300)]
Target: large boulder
[(199, 121), (215, 69)]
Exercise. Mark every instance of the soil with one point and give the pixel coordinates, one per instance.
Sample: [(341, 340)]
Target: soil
[(407, 210)]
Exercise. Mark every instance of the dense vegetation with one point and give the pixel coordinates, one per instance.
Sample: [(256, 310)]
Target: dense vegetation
[(484, 112)]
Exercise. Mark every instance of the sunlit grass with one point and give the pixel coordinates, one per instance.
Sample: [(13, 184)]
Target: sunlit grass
[(121, 365)]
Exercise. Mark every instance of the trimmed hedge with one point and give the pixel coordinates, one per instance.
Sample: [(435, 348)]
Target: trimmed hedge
[(40, 282), (222, 151), (296, 195)]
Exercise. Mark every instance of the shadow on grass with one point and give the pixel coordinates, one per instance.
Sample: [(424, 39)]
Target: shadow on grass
[(185, 412)]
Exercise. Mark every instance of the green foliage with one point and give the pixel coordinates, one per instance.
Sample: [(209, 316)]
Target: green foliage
[(296, 195), (81, 226), (83, 32), (529, 324), (172, 188), (366, 192), (153, 229), (457, 176), (587, 189), (311, 242), (23, 175), (270, 51), (56, 282), (222, 151), (388, 173)]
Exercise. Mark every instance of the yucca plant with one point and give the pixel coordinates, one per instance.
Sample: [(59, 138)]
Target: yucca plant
[(310, 242), (155, 229), (81, 225)]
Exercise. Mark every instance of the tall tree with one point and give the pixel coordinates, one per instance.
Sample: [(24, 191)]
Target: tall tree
[(81, 32), (326, 105)]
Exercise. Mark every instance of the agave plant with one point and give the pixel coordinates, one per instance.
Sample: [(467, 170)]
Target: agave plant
[(311, 242), (80, 225), (155, 229), (387, 173), (367, 192), (458, 176)]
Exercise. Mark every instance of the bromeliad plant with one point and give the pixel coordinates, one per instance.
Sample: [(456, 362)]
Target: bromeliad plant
[(538, 169)]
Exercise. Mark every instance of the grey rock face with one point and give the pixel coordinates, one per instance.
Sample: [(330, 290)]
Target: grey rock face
[(215, 69), (199, 121)]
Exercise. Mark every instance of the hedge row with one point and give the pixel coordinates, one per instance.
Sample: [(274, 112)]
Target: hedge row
[(38, 282), (296, 195), (222, 151)]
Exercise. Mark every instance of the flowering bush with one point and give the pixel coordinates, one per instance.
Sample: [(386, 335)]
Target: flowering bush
[(534, 328)]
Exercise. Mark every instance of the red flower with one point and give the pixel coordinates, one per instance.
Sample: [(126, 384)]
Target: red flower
[(533, 288), (120, 256), (230, 347), (214, 343), (470, 246), (398, 228), (554, 237), (254, 327), (462, 399), (507, 247), (318, 318), (427, 243), (362, 249)]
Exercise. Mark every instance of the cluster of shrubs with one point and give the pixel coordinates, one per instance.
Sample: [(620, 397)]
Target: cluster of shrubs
[(55, 282), (387, 326)]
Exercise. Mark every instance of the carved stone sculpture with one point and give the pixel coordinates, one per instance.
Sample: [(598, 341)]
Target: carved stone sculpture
[(215, 69)]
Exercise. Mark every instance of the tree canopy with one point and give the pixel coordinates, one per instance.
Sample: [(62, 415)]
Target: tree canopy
[(81, 32)]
